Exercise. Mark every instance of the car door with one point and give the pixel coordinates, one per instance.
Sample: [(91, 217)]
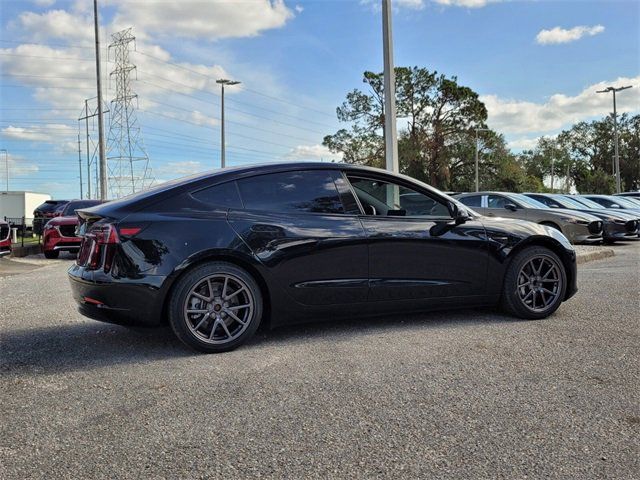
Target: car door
[(416, 251), (304, 226), (497, 206)]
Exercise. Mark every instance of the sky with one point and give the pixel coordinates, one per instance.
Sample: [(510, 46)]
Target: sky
[(535, 64)]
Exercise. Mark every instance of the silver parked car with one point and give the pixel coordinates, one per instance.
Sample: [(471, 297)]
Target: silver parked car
[(617, 225), (578, 227)]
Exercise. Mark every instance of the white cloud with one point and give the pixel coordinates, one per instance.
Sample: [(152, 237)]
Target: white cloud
[(57, 24), (50, 133), (177, 169), (465, 3), (19, 166), (517, 116), (211, 19), (313, 152), (562, 35), (523, 143)]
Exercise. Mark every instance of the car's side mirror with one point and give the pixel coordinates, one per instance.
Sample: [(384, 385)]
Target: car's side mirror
[(510, 206), (459, 215)]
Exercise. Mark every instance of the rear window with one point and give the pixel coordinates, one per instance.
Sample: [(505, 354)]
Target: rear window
[(71, 207), (474, 201), (302, 191), (224, 195), (51, 205)]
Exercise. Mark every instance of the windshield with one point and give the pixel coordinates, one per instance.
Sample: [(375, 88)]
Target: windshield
[(568, 202), (625, 202), (71, 207), (588, 203), (635, 201), (526, 201)]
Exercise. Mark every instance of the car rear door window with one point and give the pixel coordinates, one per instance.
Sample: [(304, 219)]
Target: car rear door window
[(472, 201), (224, 195), (311, 191)]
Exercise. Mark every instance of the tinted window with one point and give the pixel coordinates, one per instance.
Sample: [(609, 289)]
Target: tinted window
[(384, 198), (71, 207), (496, 201), (224, 195), (474, 201), (305, 191)]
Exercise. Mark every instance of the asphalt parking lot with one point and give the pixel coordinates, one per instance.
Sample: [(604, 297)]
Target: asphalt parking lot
[(468, 394)]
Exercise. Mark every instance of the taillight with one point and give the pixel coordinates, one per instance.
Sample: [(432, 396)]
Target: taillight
[(99, 242)]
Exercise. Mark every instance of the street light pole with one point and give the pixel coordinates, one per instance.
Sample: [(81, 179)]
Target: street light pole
[(477, 157), (390, 134), (223, 82), (615, 130), (103, 157), (6, 164)]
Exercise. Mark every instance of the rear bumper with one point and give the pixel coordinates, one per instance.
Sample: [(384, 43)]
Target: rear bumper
[(101, 297)]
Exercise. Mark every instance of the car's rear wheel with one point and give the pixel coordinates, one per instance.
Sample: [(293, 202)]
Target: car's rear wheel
[(535, 284), (51, 254), (215, 307)]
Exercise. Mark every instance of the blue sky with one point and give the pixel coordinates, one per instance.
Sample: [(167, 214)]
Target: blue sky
[(536, 64)]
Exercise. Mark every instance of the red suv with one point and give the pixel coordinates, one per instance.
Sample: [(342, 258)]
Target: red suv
[(5, 239), (59, 233)]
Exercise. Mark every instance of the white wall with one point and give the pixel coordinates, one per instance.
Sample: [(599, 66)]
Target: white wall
[(20, 204)]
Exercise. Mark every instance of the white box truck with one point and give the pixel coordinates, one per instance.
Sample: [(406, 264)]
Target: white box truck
[(15, 205)]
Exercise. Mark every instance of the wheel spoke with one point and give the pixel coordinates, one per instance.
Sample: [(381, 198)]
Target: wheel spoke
[(241, 289), (202, 320), (238, 307), (225, 328), (197, 311), (224, 287), (201, 297), (235, 317), (213, 329)]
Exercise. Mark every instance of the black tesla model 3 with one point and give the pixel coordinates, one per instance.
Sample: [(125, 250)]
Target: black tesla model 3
[(217, 254)]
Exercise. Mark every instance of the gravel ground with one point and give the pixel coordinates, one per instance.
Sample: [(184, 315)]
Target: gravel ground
[(468, 394)]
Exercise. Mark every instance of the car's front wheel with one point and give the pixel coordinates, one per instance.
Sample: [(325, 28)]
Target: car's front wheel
[(535, 284), (215, 307)]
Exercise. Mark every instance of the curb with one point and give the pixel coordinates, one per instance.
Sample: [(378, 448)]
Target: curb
[(599, 254), (19, 251)]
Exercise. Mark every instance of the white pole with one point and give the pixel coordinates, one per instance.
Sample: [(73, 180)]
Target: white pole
[(390, 134)]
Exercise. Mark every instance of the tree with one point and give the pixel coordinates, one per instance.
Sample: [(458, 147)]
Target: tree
[(438, 115)]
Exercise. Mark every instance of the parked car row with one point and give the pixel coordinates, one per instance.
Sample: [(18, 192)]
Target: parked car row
[(582, 219), (45, 212), (59, 233)]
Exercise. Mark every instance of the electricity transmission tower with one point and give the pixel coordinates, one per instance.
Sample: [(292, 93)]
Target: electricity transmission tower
[(127, 159)]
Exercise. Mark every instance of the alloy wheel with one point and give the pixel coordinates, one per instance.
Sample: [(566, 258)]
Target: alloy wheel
[(539, 283), (219, 308)]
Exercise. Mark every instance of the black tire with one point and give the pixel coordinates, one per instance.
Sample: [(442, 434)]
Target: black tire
[(512, 301), (178, 301), (51, 254)]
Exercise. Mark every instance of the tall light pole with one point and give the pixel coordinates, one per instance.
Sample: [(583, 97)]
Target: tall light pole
[(553, 173), (615, 129), (390, 134), (223, 82), (6, 165), (103, 157), (477, 155)]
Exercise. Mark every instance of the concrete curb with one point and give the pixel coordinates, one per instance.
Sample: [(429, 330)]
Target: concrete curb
[(594, 254)]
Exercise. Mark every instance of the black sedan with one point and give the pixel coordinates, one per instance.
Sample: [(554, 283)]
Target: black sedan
[(217, 254)]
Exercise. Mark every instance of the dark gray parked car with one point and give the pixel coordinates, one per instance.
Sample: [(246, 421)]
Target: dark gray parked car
[(616, 226), (578, 227)]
